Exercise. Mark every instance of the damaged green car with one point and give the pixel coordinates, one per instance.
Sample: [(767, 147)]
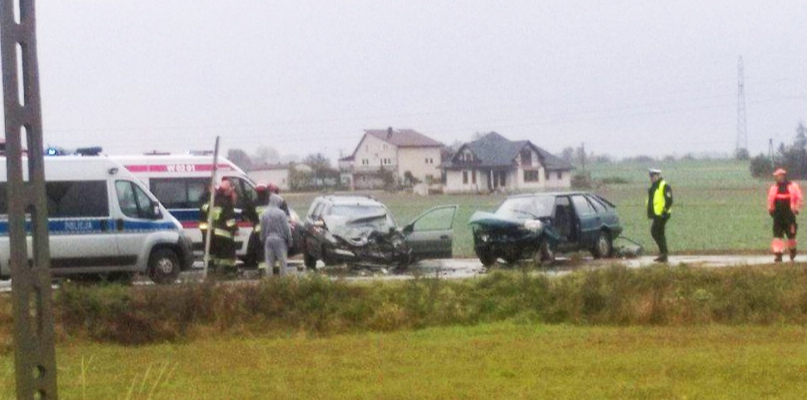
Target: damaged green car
[(540, 225)]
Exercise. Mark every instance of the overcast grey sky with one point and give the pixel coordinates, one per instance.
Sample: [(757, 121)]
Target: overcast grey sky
[(623, 77)]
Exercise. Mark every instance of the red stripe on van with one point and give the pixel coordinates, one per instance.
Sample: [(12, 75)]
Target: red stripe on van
[(178, 167), (195, 224)]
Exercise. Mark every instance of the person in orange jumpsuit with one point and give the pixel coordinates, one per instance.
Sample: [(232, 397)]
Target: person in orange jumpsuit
[(784, 203)]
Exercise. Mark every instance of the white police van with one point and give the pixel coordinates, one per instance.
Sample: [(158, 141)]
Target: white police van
[(180, 182), (102, 221)]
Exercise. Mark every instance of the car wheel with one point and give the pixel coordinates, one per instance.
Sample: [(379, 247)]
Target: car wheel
[(602, 246), (486, 258), (310, 261), (323, 252), (545, 254), (512, 255), (163, 267)]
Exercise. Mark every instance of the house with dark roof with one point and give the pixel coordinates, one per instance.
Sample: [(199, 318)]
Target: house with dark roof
[(494, 163), (405, 154)]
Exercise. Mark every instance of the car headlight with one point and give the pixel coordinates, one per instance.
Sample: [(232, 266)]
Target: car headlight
[(533, 225)]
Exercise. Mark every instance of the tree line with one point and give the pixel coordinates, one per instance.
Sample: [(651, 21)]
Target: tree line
[(313, 172), (792, 158)]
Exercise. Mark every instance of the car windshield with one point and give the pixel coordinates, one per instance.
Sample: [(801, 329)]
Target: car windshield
[(526, 207)]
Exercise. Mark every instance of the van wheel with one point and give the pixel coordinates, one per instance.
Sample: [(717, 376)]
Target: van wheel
[(163, 266)]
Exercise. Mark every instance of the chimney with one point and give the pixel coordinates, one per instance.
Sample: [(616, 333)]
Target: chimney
[(389, 132)]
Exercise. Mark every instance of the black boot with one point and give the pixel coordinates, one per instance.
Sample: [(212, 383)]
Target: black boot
[(792, 254), (778, 257)]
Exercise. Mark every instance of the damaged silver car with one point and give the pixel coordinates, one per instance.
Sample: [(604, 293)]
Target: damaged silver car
[(361, 230)]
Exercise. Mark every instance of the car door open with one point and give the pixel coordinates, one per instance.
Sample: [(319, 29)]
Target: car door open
[(431, 234)]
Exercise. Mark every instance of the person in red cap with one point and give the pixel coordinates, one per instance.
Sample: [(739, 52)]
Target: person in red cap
[(784, 203)]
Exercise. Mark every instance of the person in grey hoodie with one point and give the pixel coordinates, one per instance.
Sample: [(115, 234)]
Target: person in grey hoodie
[(275, 234)]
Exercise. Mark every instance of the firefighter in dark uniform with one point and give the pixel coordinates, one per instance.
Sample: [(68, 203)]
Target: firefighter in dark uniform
[(659, 204), (255, 249), (225, 228), (784, 203)]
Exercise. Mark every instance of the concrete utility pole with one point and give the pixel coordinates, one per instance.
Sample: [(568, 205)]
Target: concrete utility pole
[(34, 350), (742, 134)]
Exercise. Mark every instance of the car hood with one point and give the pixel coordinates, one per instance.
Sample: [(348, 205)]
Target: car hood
[(491, 220), (355, 228)]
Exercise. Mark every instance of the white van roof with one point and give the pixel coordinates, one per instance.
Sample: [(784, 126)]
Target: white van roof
[(71, 168), (175, 163)]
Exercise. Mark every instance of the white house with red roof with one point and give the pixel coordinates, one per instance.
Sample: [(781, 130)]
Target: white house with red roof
[(404, 152)]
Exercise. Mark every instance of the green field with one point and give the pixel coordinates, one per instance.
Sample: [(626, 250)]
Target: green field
[(650, 333), (494, 361), (719, 207)]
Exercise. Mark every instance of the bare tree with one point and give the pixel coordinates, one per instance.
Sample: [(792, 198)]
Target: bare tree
[(240, 158)]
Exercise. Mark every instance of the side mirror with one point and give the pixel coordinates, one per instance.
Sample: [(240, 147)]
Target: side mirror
[(155, 211)]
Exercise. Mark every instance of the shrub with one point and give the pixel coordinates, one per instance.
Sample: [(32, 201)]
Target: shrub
[(317, 305)]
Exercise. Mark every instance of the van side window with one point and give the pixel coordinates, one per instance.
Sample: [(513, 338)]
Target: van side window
[(70, 199), (133, 201), (179, 192), (245, 193), (77, 199)]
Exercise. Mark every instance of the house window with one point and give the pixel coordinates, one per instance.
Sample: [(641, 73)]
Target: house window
[(560, 174), (473, 176), (465, 177), (429, 161), (526, 157), (546, 174), (365, 161), (364, 178), (531, 176)]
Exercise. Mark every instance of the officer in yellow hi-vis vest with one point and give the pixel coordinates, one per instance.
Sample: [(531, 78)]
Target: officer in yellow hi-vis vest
[(224, 229), (659, 204)]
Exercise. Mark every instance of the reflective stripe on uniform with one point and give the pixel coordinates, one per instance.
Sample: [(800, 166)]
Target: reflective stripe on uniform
[(222, 232)]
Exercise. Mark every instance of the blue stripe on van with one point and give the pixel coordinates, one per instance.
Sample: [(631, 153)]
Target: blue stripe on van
[(185, 214), (84, 226)]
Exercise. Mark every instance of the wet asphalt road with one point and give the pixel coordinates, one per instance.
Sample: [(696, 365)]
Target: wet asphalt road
[(463, 268)]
